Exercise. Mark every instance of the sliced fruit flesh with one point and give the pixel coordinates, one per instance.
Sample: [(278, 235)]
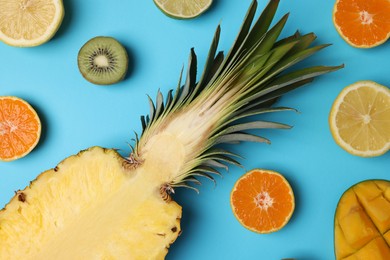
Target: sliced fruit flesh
[(362, 120), (60, 211), (26, 20), (363, 23), (20, 128), (262, 206), (376, 249), (103, 60), (184, 8), (362, 222), (376, 205)]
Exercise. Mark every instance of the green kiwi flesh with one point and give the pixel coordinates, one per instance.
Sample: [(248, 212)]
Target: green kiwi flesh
[(103, 61)]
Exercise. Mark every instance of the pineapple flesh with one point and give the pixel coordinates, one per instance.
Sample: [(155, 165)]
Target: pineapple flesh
[(98, 205), (91, 206)]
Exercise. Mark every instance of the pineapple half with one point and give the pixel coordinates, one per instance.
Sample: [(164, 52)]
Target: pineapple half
[(98, 205)]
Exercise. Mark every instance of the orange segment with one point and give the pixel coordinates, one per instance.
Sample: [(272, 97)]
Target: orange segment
[(262, 201), (20, 128), (362, 23)]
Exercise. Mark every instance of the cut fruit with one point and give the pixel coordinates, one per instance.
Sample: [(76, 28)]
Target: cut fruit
[(262, 201), (27, 23), (98, 205), (360, 119), (362, 221), (103, 61), (105, 213), (20, 128), (183, 9), (362, 23)]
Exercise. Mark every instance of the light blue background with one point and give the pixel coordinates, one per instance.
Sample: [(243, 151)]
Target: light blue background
[(77, 114)]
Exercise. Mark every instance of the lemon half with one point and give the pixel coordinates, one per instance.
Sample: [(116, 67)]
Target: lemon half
[(27, 23), (360, 119)]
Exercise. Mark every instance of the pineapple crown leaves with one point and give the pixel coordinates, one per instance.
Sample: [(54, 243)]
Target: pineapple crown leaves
[(253, 75)]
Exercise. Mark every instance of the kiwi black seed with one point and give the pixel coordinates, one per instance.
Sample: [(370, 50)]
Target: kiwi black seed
[(103, 61)]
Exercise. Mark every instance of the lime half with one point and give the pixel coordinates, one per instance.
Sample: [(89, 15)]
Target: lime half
[(183, 9)]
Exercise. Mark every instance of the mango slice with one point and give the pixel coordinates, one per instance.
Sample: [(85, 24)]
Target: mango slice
[(362, 222)]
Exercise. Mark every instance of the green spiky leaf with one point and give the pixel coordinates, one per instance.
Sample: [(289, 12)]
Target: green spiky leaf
[(205, 115)]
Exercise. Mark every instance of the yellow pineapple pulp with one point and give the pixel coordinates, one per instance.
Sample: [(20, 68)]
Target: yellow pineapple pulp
[(91, 206)]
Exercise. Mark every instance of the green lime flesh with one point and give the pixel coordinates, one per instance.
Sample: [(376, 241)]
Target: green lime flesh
[(183, 9), (103, 61)]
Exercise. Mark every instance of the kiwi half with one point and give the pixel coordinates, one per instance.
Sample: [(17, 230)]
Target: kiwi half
[(103, 61)]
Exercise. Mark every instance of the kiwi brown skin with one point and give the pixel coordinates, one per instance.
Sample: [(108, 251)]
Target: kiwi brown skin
[(115, 54)]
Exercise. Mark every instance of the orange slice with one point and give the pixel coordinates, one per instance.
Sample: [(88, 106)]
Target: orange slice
[(359, 119), (20, 128), (262, 201), (362, 23)]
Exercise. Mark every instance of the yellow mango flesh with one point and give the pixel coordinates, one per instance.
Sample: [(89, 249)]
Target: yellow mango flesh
[(362, 222)]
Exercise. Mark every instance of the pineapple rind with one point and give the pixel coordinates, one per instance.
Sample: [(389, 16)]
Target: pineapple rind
[(91, 206)]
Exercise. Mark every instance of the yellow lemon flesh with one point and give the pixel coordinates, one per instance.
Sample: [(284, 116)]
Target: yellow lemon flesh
[(27, 23), (360, 119)]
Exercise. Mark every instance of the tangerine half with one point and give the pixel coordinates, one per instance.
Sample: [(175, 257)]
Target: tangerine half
[(362, 23), (262, 201), (20, 128)]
